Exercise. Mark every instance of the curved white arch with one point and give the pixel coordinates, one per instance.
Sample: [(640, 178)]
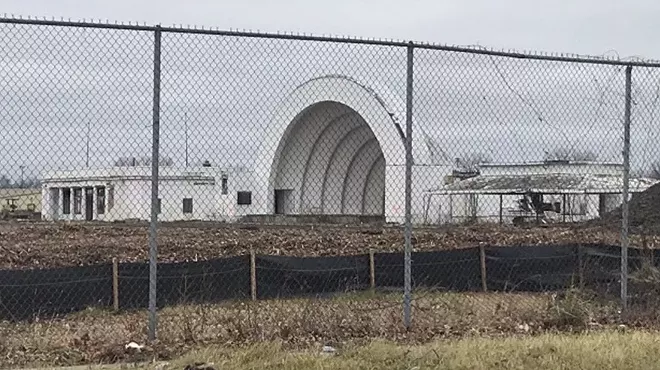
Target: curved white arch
[(318, 161), (291, 143), (356, 176), (373, 198), (335, 177)]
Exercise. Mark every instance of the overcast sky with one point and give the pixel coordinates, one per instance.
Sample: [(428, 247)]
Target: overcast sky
[(584, 26), (509, 109)]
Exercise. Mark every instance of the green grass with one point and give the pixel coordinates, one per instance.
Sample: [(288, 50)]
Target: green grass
[(604, 350)]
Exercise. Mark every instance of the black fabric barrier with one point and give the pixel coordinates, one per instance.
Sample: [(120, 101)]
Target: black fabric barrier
[(279, 276), (185, 282), (531, 268), (458, 270), (26, 294)]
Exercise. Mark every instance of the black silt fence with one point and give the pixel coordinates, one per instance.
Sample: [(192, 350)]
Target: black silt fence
[(278, 276), (26, 294), (456, 270), (185, 282)]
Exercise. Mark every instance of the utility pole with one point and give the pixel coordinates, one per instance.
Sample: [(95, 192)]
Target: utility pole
[(185, 124)]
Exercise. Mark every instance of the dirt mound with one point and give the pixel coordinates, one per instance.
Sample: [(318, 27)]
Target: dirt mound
[(644, 212)]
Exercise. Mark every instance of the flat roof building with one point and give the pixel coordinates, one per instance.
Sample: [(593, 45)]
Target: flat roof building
[(556, 190)]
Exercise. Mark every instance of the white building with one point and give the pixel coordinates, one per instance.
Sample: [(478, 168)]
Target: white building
[(124, 193), (562, 191), (333, 147)]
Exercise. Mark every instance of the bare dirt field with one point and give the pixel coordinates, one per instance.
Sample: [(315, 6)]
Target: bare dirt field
[(38, 245)]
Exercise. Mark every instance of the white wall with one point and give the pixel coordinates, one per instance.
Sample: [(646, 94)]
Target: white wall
[(132, 200), (228, 208), (424, 178)]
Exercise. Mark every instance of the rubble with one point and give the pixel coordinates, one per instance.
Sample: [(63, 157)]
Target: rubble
[(644, 213)]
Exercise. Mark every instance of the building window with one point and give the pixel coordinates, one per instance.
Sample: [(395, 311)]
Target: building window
[(187, 205), (66, 201), (100, 200), (244, 197), (77, 201), (225, 186)]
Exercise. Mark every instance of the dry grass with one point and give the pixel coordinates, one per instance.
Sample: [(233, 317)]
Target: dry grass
[(602, 351), (96, 336)]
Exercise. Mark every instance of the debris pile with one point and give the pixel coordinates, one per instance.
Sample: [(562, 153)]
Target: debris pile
[(40, 245), (644, 213)]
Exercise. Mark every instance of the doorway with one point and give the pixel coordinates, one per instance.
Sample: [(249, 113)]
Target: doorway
[(89, 204), (283, 201)]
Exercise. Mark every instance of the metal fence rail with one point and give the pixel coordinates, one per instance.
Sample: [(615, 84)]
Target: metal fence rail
[(457, 147)]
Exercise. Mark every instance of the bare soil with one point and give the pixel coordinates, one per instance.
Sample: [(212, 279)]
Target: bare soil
[(644, 213), (26, 245)]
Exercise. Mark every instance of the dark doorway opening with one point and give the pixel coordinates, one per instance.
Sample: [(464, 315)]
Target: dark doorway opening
[(89, 204), (283, 201)]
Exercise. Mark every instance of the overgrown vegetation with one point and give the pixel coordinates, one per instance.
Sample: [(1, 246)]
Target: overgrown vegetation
[(602, 351), (354, 319)]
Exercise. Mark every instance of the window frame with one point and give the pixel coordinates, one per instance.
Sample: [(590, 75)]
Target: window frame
[(241, 201), (185, 209)]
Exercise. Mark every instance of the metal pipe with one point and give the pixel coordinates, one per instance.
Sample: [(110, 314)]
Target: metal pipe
[(153, 246), (407, 279), (625, 242), (343, 40)]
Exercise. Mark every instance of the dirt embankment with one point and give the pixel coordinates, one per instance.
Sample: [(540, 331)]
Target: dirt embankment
[(644, 214), (26, 245)]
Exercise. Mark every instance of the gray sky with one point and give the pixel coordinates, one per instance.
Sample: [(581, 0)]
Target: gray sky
[(55, 81), (585, 26)]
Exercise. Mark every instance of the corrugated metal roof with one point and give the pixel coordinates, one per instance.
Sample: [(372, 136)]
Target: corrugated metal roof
[(550, 183)]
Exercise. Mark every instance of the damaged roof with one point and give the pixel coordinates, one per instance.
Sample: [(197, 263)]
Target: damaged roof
[(546, 183)]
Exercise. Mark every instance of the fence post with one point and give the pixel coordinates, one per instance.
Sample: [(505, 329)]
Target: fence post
[(372, 270), (625, 242), (115, 284), (153, 246), (407, 278), (253, 274), (482, 259), (580, 266)]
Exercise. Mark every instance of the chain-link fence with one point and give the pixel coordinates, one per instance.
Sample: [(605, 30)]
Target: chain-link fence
[(243, 187)]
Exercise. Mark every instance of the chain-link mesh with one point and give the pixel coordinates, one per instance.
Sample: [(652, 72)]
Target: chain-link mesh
[(282, 190)]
